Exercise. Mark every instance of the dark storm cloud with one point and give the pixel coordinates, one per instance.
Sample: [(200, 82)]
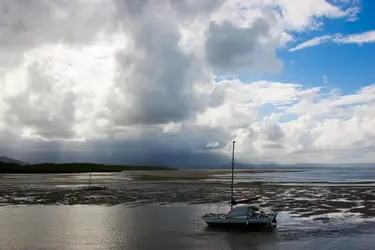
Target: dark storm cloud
[(156, 77), (230, 48)]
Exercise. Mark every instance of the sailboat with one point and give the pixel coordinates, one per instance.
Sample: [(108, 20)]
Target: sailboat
[(242, 213), (90, 187)]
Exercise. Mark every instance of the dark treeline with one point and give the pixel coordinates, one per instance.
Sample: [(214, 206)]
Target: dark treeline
[(69, 168)]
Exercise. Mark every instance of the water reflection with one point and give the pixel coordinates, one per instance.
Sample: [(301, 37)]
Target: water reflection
[(36, 227), (312, 175), (242, 239), (149, 227)]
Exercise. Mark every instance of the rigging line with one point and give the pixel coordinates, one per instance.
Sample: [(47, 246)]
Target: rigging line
[(192, 221)]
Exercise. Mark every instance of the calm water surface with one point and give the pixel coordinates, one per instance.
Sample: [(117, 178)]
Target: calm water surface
[(164, 227), (118, 180), (346, 175)]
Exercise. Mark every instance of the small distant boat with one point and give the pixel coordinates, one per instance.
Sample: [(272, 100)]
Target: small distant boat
[(93, 188), (244, 215)]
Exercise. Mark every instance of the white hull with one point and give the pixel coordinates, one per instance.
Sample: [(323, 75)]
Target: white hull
[(241, 220)]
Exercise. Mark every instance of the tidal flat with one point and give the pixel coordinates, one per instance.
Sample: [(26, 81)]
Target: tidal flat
[(318, 201)]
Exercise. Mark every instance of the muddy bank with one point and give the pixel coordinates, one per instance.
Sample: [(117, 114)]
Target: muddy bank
[(300, 201), (202, 174)]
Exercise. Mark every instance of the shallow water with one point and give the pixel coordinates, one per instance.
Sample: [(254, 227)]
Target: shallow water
[(330, 176), (165, 227), (343, 175)]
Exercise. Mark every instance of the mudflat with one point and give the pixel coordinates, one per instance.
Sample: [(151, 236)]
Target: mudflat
[(135, 188)]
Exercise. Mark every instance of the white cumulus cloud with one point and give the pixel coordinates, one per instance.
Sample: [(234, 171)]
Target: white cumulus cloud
[(365, 37)]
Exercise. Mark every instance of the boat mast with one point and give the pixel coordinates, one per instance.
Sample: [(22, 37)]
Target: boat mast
[(90, 178), (231, 196)]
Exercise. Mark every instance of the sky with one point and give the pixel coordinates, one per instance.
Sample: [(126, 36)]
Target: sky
[(174, 82)]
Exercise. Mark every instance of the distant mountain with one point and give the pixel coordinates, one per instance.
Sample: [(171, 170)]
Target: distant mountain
[(10, 160)]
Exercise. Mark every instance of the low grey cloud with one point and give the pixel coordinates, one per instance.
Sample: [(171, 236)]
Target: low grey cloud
[(185, 149), (273, 132), (196, 7)]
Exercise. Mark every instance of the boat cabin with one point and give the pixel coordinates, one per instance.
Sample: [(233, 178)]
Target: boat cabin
[(250, 211)]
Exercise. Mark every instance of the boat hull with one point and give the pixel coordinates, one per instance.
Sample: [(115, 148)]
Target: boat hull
[(243, 226), (241, 222)]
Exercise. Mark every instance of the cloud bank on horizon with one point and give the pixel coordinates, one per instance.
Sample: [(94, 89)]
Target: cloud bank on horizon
[(175, 81)]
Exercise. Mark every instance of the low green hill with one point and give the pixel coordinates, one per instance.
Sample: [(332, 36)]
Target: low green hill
[(70, 168)]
